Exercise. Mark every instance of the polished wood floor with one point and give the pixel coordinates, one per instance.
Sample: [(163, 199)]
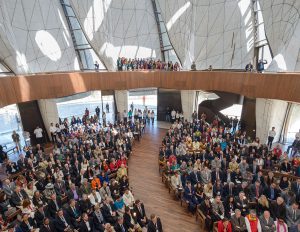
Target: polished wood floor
[(147, 186)]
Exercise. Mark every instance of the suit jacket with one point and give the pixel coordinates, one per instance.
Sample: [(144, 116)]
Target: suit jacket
[(83, 227), (238, 225), (98, 227), (241, 205), (70, 193), (106, 213), (24, 226), (266, 226), (214, 176), (278, 211), (118, 228), (16, 200), (60, 225), (253, 191), (291, 220), (52, 207), (267, 192), (154, 228), (9, 190), (195, 177), (39, 217), (43, 228), (295, 189), (139, 214), (60, 190), (127, 221), (73, 215)]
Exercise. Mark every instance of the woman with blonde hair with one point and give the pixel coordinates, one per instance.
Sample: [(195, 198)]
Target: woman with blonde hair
[(262, 205), (208, 190)]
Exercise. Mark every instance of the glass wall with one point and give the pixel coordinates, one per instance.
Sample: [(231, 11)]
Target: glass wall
[(294, 124), (76, 105), (10, 121), (143, 98)]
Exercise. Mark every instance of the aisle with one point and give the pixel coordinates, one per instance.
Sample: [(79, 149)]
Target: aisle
[(147, 185)]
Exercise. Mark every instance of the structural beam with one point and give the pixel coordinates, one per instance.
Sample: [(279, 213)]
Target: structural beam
[(16, 89)]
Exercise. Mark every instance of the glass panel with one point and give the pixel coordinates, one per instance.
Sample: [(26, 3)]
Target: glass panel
[(74, 23), (70, 11), (83, 60), (10, 121), (80, 38), (66, 2), (83, 46), (76, 107)]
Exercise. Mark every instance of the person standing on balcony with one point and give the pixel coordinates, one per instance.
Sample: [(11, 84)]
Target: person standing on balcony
[(96, 66), (271, 136)]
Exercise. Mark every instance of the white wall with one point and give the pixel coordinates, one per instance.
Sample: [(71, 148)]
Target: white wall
[(188, 103), (269, 113), (49, 112), (121, 97)]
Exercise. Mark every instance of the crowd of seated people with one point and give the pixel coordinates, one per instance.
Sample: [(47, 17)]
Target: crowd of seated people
[(231, 179), (82, 185), (125, 64)]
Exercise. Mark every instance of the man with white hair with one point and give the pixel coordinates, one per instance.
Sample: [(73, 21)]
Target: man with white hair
[(238, 222), (266, 222)]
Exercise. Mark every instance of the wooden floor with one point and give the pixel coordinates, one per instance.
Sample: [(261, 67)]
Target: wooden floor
[(147, 186)]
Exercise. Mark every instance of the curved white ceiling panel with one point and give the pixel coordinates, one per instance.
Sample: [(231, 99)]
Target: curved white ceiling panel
[(282, 26), (34, 37), (119, 28), (210, 32)]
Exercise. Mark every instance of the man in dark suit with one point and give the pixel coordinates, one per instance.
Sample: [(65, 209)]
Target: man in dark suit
[(238, 222), (278, 209), (75, 169), (54, 205), (256, 190), (293, 217), (108, 211), (73, 213), (296, 189), (119, 227), (60, 188), (98, 219), (86, 224), (139, 209), (154, 224), (40, 215), (195, 177), (47, 226), (18, 196), (62, 221), (229, 190), (241, 203), (27, 223), (216, 175), (74, 192), (259, 177), (272, 192)]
